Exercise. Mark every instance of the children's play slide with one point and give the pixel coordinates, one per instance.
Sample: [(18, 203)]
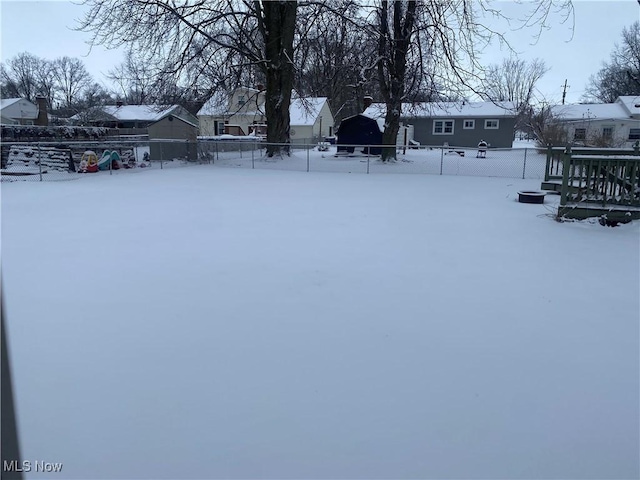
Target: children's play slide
[(109, 158)]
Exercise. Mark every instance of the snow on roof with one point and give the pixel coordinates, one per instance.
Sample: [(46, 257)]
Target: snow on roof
[(150, 113), (305, 111), (5, 102), (446, 109), (302, 111), (585, 111), (631, 103)]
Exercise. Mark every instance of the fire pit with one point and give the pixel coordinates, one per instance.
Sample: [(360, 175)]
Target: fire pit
[(531, 196)]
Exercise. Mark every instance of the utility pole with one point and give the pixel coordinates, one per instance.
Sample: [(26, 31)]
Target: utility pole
[(564, 88)]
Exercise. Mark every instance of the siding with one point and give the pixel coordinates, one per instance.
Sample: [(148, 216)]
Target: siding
[(461, 137)]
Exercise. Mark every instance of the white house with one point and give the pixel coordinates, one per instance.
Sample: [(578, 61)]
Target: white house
[(615, 123), (310, 119), (18, 111), (243, 113)]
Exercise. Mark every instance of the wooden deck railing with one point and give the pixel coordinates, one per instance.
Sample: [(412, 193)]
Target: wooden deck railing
[(556, 156), (594, 185)]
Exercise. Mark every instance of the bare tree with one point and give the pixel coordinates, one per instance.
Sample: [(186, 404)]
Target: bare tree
[(621, 75), (72, 78), (20, 76), (334, 59), (181, 37), (134, 79), (514, 80), (396, 21), (438, 42)]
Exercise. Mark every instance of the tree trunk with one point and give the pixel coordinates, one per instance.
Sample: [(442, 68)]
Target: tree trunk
[(391, 129), (393, 46), (277, 21)]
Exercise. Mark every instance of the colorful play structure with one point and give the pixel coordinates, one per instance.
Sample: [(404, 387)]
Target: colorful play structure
[(90, 163)]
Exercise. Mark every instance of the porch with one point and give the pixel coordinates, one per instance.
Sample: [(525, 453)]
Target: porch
[(595, 182)]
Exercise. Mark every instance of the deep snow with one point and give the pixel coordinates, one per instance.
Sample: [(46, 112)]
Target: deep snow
[(211, 322)]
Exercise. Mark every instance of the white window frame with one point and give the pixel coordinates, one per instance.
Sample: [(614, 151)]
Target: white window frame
[(471, 126), (486, 124), (443, 123), (608, 127), (636, 134), (583, 132)]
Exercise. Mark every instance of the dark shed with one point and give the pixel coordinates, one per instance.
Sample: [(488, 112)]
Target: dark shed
[(359, 130)]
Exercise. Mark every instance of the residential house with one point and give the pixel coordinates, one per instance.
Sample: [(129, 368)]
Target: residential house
[(18, 111), (601, 124), (311, 118), (132, 119), (459, 124), (240, 114)]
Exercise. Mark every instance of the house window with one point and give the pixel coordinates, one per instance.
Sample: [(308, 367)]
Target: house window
[(491, 124), (634, 134), (607, 133), (443, 127), (469, 124), (580, 134)]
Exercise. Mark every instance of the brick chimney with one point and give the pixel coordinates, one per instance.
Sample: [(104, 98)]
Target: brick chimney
[(43, 118), (367, 101)]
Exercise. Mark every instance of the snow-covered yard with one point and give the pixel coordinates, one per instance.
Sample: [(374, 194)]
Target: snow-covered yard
[(212, 322)]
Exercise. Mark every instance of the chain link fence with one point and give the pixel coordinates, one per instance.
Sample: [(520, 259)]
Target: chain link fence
[(525, 163), (44, 161)]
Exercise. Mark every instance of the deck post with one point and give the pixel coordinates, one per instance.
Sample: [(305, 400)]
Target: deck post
[(547, 170), (566, 161), (524, 166)]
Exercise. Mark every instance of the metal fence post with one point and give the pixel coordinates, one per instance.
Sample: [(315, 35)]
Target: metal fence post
[(253, 148), (215, 157), (368, 157), (253, 162), (524, 166), (40, 161), (307, 147), (111, 164), (161, 162), (441, 158)]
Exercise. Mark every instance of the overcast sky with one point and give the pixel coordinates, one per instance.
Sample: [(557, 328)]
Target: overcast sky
[(45, 28)]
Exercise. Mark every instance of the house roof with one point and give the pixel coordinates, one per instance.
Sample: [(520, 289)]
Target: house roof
[(623, 108), (5, 102), (447, 109), (305, 111), (590, 111), (631, 103), (302, 111), (148, 113)]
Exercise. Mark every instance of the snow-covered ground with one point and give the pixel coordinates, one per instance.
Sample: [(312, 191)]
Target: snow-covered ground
[(210, 322)]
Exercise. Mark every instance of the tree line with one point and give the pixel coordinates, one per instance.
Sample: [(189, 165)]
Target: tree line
[(396, 51)]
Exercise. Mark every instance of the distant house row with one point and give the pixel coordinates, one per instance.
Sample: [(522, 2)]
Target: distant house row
[(616, 123), (462, 124)]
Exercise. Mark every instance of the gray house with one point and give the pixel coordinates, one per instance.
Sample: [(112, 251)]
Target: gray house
[(457, 124)]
